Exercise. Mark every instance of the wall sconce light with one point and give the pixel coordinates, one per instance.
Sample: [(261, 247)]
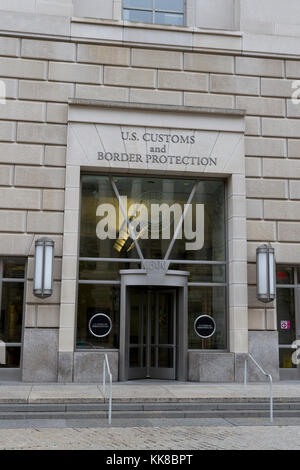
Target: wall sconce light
[(265, 273), (43, 268)]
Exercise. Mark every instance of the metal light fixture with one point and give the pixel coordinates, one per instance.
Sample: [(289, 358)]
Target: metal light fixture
[(43, 268), (265, 273)]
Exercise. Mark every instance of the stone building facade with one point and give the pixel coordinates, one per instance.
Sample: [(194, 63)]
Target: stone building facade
[(70, 67)]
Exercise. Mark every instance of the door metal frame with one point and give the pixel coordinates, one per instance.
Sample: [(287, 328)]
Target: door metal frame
[(168, 280), (144, 347)]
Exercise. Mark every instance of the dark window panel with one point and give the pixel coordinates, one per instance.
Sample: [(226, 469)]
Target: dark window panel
[(202, 272), (102, 271), (284, 275), (11, 312), (286, 358), (286, 316), (212, 195), (207, 301), (94, 299), (13, 358), (13, 268)]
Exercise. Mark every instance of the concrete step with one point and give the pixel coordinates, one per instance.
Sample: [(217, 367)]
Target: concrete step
[(147, 406), (146, 410), (128, 415)]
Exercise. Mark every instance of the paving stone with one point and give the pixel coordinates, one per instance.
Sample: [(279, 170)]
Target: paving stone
[(65, 394), (235, 434)]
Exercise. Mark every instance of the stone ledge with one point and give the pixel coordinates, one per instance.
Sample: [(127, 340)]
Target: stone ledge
[(157, 107), (137, 25)]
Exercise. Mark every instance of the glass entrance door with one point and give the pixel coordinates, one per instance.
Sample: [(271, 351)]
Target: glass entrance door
[(288, 321), (152, 333)]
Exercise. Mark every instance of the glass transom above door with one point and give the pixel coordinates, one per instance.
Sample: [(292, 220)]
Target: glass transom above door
[(154, 208)]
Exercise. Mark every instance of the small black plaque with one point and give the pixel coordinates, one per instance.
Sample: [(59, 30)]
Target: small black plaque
[(205, 326), (100, 325)]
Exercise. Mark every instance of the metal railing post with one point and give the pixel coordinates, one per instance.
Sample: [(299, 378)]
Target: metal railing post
[(104, 375), (110, 400), (106, 365), (271, 399), (264, 373), (245, 376)]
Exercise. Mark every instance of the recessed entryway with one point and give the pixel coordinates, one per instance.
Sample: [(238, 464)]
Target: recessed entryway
[(152, 333)]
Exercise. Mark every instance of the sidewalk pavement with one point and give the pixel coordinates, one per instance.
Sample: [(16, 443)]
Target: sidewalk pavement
[(147, 391)]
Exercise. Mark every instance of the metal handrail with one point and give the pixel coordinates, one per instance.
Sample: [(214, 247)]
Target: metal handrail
[(267, 375), (106, 365)]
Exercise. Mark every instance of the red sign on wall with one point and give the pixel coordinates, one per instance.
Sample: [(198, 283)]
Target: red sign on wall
[(285, 325), (281, 275)]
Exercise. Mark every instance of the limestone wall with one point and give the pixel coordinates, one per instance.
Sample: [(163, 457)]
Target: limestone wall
[(42, 72)]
